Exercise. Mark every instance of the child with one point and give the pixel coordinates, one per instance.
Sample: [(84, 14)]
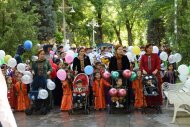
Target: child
[(170, 75), (118, 100), (98, 90), (66, 103), (10, 91), (23, 101), (138, 90), (78, 95)]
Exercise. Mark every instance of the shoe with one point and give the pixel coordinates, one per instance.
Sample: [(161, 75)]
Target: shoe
[(80, 105), (121, 105), (75, 105), (117, 104)]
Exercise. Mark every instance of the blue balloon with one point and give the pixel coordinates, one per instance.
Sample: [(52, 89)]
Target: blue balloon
[(28, 44), (89, 70)]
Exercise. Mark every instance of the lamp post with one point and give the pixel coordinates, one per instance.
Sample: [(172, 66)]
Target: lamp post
[(94, 24), (64, 21)]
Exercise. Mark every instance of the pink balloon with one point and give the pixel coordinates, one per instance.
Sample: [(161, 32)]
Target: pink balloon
[(69, 58), (51, 52), (106, 75), (61, 74), (122, 92), (113, 92), (127, 73)]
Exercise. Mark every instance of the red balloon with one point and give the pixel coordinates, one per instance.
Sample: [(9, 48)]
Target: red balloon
[(53, 73), (113, 92), (122, 92), (106, 75), (127, 73)]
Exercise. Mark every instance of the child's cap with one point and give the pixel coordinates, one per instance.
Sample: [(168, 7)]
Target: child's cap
[(79, 81)]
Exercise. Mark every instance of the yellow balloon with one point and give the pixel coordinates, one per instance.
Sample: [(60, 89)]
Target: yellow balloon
[(6, 58), (136, 50)]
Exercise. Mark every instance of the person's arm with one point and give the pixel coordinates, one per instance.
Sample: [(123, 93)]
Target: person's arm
[(107, 84), (49, 68), (127, 63), (111, 64), (158, 62)]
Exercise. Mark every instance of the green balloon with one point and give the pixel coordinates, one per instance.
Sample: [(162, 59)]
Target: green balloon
[(114, 74), (133, 76), (2, 61)]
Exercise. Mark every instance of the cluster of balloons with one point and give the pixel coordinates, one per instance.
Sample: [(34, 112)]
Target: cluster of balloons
[(172, 58), (126, 73), (183, 70), (114, 92)]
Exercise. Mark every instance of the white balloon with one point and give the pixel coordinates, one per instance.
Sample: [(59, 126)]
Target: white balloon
[(38, 46), (28, 73), (34, 58), (26, 79), (2, 54), (183, 69), (21, 67), (171, 59), (130, 56), (50, 85), (183, 78), (155, 49), (66, 48), (142, 53), (178, 57), (163, 56), (43, 94), (12, 62), (130, 49)]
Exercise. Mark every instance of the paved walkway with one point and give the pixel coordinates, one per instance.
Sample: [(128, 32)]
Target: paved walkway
[(102, 119)]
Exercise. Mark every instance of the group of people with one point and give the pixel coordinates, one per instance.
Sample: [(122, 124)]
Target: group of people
[(46, 66)]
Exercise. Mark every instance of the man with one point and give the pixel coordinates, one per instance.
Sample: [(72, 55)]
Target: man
[(6, 116)]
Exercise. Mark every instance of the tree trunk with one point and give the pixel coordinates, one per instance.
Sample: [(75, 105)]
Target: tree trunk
[(129, 31), (99, 36), (118, 34)]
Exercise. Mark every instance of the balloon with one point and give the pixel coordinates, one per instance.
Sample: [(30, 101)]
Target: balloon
[(69, 58), (142, 53), (171, 59), (129, 56), (130, 48), (75, 55), (28, 44), (66, 48), (50, 84), (26, 79), (12, 62), (133, 76), (89, 70), (34, 58), (183, 78), (113, 92), (155, 49), (43, 94), (61, 74), (73, 46), (114, 74), (71, 52), (127, 73), (163, 56), (2, 61), (2, 54), (38, 46), (178, 57), (21, 67), (106, 75), (122, 92), (6, 58), (28, 73), (183, 69), (51, 52), (136, 50)]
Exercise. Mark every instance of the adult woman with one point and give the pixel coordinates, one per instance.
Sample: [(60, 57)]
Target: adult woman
[(119, 61), (80, 62), (150, 64)]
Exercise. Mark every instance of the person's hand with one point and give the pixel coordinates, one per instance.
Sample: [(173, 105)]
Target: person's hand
[(155, 72), (76, 72), (144, 72), (48, 73)]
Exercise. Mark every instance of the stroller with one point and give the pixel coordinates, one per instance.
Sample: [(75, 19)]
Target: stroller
[(122, 104), (41, 99), (80, 94), (150, 89)]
